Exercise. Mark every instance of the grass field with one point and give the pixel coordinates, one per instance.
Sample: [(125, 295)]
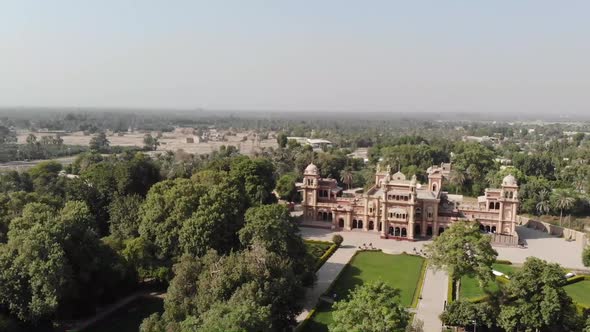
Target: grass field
[(399, 271), (128, 318), (579, 292), (470, 288)]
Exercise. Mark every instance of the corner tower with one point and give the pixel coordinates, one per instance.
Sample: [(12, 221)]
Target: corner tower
[(509, 204), (311, 176)]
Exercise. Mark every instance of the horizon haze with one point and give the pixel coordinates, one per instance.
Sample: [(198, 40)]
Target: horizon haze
[(384, 56)]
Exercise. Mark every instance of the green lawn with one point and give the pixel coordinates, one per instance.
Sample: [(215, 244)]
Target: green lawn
[(470, 288), (579, 292), (128, 318), (399, 271)]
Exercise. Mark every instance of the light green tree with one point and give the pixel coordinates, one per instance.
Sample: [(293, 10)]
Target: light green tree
[(563, 200), (544, 204), (346, 177), (457, 178), (462, 250), (372, 307)]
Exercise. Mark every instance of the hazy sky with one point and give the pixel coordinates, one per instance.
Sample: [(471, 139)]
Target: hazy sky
[(440, 55)]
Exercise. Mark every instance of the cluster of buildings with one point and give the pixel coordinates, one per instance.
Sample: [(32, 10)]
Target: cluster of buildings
[(315, 143), (398, 207)]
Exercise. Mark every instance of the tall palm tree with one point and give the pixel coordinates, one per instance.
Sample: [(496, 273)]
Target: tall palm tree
[(346, 177), (544, 204), (564, 200), (456, 178)]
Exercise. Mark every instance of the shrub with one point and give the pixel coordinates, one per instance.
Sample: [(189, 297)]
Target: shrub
[(418, 291), (502, 261), (325, 256), (337, 239)]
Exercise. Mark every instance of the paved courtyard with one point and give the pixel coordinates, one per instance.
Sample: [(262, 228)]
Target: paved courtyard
[(539, 244), (544, 246)]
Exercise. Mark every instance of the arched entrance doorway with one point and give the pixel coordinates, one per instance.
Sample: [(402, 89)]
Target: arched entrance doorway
[(397, 232), (494, 229), (371, 225), (417, 230), (359, 224), (482, 228), (354, 223), (429, 230), (379, 226), (341, 223), (488, 229), (390, 230), (404, 232), (441, 230)]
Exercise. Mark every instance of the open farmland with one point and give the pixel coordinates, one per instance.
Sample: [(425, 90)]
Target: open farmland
[(169, 141)]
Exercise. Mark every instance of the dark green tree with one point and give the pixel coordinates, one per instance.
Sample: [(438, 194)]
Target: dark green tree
[(538, 300), (99, 143), (286, 187), (124, 216), (282, 140)]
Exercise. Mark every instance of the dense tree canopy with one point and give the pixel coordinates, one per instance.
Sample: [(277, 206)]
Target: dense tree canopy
[(54, 264), (167, 206)]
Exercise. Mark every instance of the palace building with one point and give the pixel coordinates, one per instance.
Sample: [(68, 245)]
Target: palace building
[(397, 207)]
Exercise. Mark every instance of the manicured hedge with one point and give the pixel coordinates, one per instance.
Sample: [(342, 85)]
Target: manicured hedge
[(326, 255), (451, 291), (419, 285), (318, 242), (503, 261), (577, 278)]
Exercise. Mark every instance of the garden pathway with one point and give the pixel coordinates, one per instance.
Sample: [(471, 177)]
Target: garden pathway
[(434, 295), (326, 275)]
